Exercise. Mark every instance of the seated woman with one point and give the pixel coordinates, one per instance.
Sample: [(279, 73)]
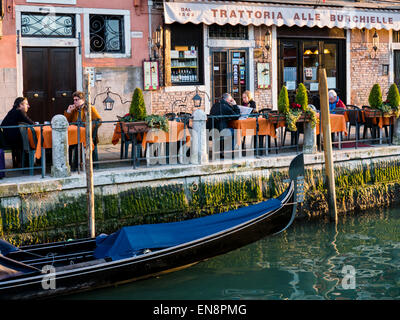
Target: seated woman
[(248, 101), (12, 136), (335, 102)]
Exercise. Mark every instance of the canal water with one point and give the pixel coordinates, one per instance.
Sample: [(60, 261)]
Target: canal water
[(313, 259)]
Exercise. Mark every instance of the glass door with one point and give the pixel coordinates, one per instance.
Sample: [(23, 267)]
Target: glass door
[(229, 74), (310, 65), (299, 60)]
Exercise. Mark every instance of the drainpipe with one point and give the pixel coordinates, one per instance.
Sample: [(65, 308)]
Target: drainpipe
[(150, 6)]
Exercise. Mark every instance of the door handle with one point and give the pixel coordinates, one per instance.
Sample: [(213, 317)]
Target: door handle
[(36, 95)]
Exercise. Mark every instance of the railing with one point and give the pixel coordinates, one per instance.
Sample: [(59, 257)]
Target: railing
[(194, 140)]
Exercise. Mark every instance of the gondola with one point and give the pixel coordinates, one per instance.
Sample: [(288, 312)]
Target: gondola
[(141, 251)]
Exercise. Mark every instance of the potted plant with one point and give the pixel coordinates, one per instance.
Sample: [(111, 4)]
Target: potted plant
[(378, 108), (137, 120), (293, 112), (393, 99)]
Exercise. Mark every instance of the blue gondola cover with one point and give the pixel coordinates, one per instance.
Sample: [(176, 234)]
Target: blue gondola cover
[(132, 240)]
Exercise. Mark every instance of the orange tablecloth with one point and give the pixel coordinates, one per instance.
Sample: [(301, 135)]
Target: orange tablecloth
[(175, 133), (248, 127), (47, 138), (338, 123)]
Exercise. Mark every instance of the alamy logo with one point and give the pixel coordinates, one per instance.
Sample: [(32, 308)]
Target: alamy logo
[(349, 277), (49, 279)]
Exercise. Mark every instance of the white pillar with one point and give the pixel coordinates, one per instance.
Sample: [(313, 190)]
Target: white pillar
[(198, 139), (60, 167)]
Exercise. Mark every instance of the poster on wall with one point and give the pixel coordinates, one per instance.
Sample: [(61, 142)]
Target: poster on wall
[(263, 78), (150, 72)]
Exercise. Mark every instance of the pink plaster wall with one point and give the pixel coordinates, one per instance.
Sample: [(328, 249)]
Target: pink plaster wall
[(8, 43), (139, 22)]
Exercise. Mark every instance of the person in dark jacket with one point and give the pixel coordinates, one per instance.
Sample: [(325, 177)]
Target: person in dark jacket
[(12, 136), (225, 107)]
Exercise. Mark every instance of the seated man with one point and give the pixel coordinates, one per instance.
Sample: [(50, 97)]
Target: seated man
[(12, 136), (226, 106), (77, 111)]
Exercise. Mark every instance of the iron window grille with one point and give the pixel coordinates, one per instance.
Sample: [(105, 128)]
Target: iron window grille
[(47, 25), (239, 32), (106, 34)]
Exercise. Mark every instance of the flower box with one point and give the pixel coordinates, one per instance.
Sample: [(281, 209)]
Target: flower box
[(135, 127), (275, 117), (373, 113)]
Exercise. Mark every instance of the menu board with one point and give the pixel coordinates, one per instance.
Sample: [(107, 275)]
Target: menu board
[(263, 76), (151, 79)]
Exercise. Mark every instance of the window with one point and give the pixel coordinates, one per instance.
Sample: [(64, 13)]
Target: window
[(186, 54), (47, 25), (227, 31), (106, 34), (396, 36)]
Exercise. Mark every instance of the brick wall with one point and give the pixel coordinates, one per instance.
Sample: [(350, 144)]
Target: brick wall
[(163, 102), (366, 70)]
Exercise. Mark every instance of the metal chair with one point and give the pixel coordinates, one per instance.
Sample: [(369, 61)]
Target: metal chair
[(265, 111), (26, 147), (354, 115), (95, 139)]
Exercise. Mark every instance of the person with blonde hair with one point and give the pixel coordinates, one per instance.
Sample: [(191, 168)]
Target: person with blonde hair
[(248, 101)]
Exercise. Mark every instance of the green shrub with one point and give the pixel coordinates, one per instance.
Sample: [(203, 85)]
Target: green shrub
[(375, 96), (138, 107), (301, 97), (393, 97), (283, 101)]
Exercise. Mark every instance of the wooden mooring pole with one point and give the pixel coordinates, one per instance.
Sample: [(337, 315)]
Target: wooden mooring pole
[(89, 164), (326, 131)]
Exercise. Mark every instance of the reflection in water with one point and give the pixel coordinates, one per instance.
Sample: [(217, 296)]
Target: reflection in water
[(304, 262)]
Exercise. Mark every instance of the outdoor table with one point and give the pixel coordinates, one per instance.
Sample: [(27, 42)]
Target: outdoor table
[(379, 121), (248, 127), (176, 133), (338, 123), (47, 138)]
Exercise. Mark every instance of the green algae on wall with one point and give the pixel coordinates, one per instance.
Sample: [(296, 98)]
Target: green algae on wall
[(357, 188)]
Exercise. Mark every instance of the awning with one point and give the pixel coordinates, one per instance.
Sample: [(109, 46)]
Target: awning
[(262, 14)]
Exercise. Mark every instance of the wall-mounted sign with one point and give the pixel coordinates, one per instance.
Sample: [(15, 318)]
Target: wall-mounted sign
[(222, 12), (263, 77), (137, 34), (151, 78)]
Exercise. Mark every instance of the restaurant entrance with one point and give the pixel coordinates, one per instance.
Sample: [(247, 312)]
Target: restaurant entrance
[(229, 73), (49, 80), (299, 60)]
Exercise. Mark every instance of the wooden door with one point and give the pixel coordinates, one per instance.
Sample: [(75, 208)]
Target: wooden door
[(49, 80), (397, 67)]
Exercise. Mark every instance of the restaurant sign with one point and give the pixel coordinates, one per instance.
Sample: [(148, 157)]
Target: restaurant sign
[(209, 13)]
